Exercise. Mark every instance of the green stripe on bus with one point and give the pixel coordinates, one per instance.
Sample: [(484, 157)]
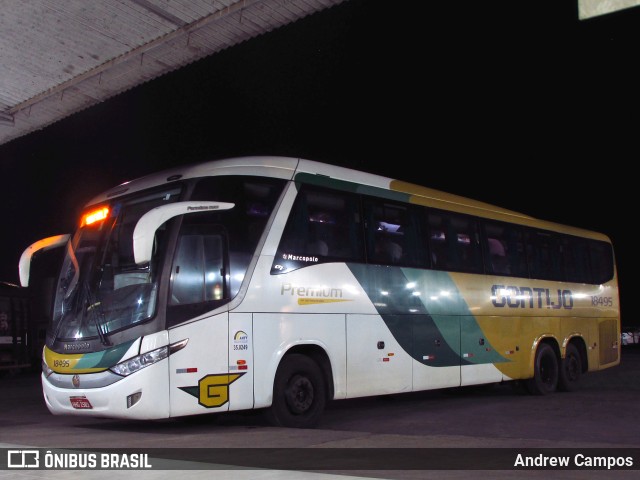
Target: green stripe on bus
[(104, 359)]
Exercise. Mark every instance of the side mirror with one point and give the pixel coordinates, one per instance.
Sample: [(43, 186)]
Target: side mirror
[(24, 265), (144, 233)]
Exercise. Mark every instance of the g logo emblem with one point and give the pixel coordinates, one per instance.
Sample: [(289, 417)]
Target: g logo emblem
[(214, 389)]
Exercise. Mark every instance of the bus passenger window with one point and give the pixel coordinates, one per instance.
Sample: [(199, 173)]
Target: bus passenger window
[(392, 234), (453, 240), (323, 226), (504, 249), (575, 254), (601, 261), (498, 257), (544, 255), (386, 249)]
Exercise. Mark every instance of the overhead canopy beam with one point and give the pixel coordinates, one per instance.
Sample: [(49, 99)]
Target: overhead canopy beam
[(593, 8), (62, 56)]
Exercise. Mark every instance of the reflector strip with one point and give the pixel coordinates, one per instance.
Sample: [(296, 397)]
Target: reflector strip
[(186, 370)]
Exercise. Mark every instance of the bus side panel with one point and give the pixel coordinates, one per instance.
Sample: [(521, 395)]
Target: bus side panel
[(482, 349), (275, 334), (376, 363), (199, 373), (512, 337), (436, 352), (241, 360), (609, 341), (513, 314), (308, 306)]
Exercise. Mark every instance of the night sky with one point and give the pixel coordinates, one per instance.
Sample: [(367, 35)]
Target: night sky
[(517, 105)]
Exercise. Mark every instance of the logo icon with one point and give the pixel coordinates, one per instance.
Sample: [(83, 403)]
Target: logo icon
[(240, 337), (76, 381), (23, 459)]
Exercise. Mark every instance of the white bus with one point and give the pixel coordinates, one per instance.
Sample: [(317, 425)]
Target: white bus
[(282, 283)]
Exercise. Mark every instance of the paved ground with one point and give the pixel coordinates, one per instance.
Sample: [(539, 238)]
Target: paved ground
[(605, 413)]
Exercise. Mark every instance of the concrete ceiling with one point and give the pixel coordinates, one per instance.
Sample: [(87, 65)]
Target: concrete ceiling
[(594, 8), (58, 57)]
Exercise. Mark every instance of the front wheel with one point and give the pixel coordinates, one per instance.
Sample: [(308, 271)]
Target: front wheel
[(299, 393), (570, 370), (546, 371)]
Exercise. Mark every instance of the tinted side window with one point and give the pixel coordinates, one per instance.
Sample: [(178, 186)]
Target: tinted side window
[(454, 242), (575, 256), (323, 226), (544, 255), (504, 249), (601, 260), (392, 233), (254, 199)]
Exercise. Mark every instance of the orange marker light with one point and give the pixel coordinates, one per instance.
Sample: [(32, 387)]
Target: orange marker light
[(94, 216)]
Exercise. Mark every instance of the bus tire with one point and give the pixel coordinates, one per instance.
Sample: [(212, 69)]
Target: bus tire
[(570, 370), (546, 371), (299, 393)]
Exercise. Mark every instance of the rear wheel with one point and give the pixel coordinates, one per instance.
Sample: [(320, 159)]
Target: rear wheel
[(570, 370), (299, 393), (546, 371)]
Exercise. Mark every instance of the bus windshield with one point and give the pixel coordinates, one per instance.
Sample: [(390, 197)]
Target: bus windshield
[(101, 289)]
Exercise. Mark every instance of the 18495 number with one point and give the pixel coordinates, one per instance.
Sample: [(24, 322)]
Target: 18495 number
[(597, 301)]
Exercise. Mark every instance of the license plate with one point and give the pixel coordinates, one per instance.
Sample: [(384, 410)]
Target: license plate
[(80, 403)]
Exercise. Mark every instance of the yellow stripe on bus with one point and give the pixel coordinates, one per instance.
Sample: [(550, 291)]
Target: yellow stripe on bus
[(66, 362), (313, 301)]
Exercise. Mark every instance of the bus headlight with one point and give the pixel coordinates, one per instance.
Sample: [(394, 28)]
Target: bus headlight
[(134, 364), (141, 361)]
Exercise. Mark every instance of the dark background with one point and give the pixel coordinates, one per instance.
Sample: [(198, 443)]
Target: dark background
[(518, 104)]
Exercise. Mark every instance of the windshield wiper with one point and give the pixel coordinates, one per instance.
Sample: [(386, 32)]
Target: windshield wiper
[(96, 312)]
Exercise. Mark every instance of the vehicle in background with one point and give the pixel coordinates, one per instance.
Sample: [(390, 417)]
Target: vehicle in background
[(16, 352), (630, 335)]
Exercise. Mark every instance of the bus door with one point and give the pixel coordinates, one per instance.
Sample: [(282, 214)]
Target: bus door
[(199, 283)]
